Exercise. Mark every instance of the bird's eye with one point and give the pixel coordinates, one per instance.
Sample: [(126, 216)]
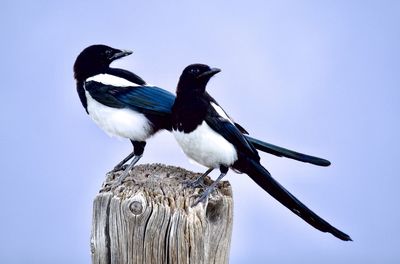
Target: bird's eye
[(108, 52), (194, 71)]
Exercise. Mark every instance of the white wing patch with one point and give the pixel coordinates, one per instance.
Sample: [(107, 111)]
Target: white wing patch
[(206, 147), (120, 122), (109, 79), (221, 111)]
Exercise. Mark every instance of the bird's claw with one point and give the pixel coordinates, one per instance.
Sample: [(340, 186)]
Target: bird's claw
[(194, 184), (199, 200), (203, 196), (119, 168)]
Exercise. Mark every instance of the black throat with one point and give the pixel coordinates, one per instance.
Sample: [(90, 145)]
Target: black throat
[(189, 110)]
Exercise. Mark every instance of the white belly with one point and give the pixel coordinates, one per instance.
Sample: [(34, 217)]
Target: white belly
[(206, 147), (120, 122)]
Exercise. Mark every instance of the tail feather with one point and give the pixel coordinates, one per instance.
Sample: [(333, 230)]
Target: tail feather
[(264, 179), (287, 153)]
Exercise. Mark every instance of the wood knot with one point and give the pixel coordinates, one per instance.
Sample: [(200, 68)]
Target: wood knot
[(214, 210), (136, 207)]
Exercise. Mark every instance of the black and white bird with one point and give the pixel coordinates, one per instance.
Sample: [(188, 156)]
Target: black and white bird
[(119, 101), (209, 137), (123, 105)]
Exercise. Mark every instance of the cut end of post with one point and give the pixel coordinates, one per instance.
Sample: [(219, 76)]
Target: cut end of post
[(148, 218)]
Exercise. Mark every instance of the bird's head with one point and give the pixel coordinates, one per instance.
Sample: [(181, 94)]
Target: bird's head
[(195, 77), (96, 59)]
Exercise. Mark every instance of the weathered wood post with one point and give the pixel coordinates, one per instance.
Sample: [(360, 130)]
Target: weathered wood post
[(149, 219)]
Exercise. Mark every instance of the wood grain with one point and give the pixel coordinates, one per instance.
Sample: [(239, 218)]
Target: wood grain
[(149, 219)]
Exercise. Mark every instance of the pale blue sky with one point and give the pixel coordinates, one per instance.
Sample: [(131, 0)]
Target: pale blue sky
[(321, 77)]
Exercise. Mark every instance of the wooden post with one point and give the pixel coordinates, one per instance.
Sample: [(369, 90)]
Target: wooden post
[(149, 219)]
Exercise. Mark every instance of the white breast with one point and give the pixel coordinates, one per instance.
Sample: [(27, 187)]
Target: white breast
[(206, 147), (120, 122)]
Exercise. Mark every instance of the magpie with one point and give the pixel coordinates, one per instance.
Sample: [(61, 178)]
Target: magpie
[(119, 101), (122, 104), (209, 137)]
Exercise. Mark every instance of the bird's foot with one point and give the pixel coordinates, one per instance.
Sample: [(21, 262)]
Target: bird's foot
[(203, 197), (210, 188), (118, 168), (199, 182), (121, 165), (111, 176), (115, 179), (120, 180)]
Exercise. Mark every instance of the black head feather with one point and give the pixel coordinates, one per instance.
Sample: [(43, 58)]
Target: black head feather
[(96, 59), (195, 77)]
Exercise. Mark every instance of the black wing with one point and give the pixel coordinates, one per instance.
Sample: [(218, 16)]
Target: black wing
[(230, 132), (211, 99), (144, 99)]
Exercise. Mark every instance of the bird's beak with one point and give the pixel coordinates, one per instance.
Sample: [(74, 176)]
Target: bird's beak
[(121, 54), (209, 73)]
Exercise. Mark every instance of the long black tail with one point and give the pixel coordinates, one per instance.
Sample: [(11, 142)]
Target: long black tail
[(264, 179), (282, 152)]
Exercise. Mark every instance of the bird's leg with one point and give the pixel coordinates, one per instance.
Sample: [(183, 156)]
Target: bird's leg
[(199, 181), (224, 171), (125, 174), (138, 147), (125, 160)]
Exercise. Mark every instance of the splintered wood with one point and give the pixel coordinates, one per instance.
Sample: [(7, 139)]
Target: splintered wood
[(149, 219)]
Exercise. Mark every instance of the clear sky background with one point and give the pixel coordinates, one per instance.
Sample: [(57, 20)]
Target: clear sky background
[(321, 77)]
